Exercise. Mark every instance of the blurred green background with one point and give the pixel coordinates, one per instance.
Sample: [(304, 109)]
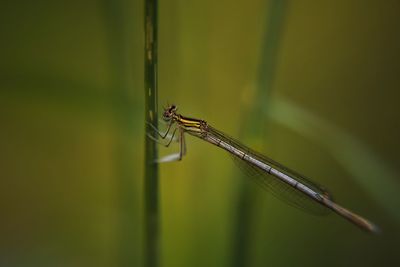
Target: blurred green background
[(314, 85)]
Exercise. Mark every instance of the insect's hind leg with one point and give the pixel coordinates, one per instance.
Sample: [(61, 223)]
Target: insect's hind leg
[(179, 155)]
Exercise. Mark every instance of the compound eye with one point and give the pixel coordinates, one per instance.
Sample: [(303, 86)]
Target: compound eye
[(173, 108)]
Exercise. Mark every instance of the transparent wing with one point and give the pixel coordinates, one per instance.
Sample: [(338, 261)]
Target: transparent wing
[(277, 187)]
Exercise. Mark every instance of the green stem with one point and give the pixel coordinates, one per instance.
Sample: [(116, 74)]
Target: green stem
[(245, 213), (151, 186)]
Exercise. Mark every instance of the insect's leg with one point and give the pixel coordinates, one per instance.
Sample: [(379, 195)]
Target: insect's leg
[(162, 135), (183, 143), (161, 143), (176, 156)]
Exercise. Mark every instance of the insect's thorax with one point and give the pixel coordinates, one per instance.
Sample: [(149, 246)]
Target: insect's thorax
[(190, 124)]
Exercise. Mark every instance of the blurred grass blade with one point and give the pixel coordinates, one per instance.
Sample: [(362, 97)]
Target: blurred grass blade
[(118, 28), (268, 58), (151, 248), (368, 170)]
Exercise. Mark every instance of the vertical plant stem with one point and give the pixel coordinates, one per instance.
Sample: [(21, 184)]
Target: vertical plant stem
[(151, 186), (268, 60)]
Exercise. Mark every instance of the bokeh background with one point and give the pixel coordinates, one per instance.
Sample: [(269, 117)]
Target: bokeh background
[(313, 84)]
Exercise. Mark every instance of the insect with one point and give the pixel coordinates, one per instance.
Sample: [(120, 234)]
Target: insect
[(271, 175)]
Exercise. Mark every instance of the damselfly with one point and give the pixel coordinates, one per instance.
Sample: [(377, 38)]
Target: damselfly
[(283, 182)]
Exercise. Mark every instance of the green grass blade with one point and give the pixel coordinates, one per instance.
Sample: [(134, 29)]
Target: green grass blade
[(151, 185), (268, 58)]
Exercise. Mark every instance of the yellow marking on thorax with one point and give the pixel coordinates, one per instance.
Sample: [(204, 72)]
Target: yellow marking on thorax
[(188, 122)]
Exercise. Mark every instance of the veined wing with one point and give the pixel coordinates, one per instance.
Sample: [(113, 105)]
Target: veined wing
[(277, 187)]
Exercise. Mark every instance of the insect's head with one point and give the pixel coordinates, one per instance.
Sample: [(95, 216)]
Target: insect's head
[(169, 112)]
